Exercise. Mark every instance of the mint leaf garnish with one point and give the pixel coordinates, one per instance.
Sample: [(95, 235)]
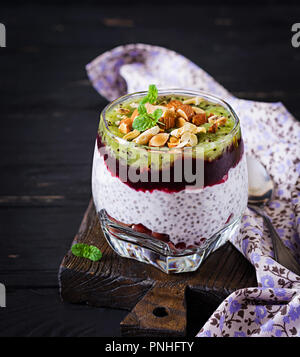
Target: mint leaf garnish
[(152, 94), (86, 251), (157, 114), (142, 109), (145, 120)]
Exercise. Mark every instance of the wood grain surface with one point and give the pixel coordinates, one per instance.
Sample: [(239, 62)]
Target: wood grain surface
[(156, 300), (49, 119)]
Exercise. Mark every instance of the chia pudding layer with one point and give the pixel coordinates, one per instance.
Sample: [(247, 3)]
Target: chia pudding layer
[(177, 212)]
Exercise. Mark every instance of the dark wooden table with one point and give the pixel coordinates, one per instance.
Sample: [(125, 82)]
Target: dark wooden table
[(49, 118)]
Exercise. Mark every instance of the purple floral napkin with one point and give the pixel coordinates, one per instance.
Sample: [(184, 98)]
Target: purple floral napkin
[(272, 135)]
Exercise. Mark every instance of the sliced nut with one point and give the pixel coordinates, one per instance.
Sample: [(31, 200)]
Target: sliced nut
[(134, 114), (144, 138), (199, 119), (213, 128), (174, 140), (180, 122), (159, 139), (176, 133), (193, 140), (221, 121), (185, 136), (188, 139), (122, 116), (201, 129), (198, 110), (182, 144), (194, 100), (212, 118), (189, 127), (186, 111), (173, 145), (184, 140), (151, 108), (216, 120), (168, 119), (123, 111), (174, 104), (131, 135), (125, 125)]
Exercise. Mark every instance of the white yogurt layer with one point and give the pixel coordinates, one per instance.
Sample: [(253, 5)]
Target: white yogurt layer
[(186, 216)]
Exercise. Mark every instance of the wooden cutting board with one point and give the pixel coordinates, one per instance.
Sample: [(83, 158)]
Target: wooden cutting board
[(159, 304)]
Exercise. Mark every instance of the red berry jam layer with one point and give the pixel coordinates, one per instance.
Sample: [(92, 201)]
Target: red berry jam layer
[(215, 171)]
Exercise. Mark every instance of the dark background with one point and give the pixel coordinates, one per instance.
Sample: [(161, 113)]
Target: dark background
[(49, 117)]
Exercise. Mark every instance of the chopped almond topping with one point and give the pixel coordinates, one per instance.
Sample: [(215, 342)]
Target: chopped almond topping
[(217, 121), (159, 139), (193, 140), (213, 128), (195, 100), (198, 110), (221, 121), (151, 108), (182, 113), (174, 104), (125, 125), (131, 135), (184, 118), (173, 143), (201, 129), (212, 118), (199, 119), (180, 122), (186, 136), (182, 144), (134, 114), (122, 116), (144, 138), (188, 139), (188, 127), (186, 111), (176, 132), (123, 111), (173, 139), (168, 119)]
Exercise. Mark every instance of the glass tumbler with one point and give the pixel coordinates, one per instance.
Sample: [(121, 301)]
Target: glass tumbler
[(167, 207)]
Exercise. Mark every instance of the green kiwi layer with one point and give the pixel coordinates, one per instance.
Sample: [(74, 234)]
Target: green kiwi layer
[(210, 145)]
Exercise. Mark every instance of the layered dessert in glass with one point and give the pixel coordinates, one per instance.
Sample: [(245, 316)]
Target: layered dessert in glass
[(169, 176)]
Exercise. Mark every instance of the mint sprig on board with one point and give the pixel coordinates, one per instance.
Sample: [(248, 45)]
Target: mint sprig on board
[(86, 251), (145, 120)]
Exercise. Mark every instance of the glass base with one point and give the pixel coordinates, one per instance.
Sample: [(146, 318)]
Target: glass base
[(131, 244)]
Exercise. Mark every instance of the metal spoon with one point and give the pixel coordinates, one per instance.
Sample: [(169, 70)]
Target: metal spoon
[(260, 189)]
